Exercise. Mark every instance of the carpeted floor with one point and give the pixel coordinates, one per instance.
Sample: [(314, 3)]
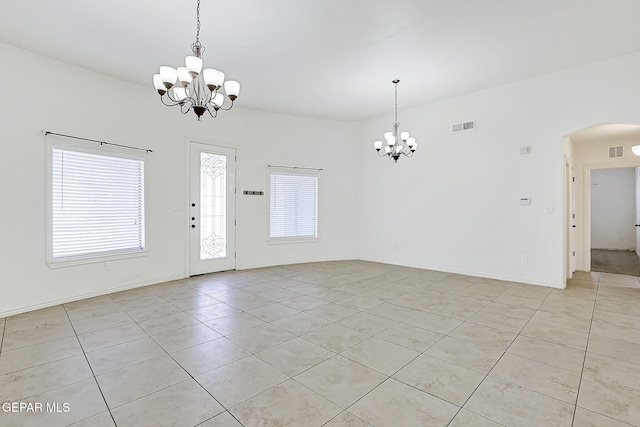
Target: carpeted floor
[(618, 262)]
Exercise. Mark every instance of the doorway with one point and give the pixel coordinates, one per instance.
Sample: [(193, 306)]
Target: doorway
[(614, 214), (212, 213)]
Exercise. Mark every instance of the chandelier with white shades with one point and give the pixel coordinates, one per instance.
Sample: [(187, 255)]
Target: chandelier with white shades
[(397, 142), (193, 88)]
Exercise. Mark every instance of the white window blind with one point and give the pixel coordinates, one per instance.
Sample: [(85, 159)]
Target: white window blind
[(293, 211), (97, 204)]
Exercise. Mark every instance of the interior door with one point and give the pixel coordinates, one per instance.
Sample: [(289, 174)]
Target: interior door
[(212, 209), (637, 224)]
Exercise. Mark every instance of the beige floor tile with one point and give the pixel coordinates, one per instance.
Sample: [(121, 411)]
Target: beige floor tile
[(208, 356), (421, 300), (122, 355), (410, 337), (88, 302), (341, 380), (442, 379), (562, 321), (249, 302), (260, 337), (138, 303), (234, 323), (184, 404), (528, 291), (301, 323), (84, 313), (586, 418), (465, 354), (498, 321), (347, 419), (15, 340), (557, 355), (153, 311), (391, 311), (334, 337), (608, 398), (136, 381), (617, 349), (194, 302), (295, 356), (510, 310), (617, 319), (361, 303), (395, 404), (629, 310), (229, 294), (457, 307), (101, 323), (433, 322), (273, 312), (168, 323), (241, 380), (330, 295), (104, 419), (131, 294), (591, 296), (450, 286), (482, 292), (469, 419), (529, 303), (511, 405), (332, 312), (482, 335), (542, 378), (212, 312), (556, 335), (110, 337), (189, 336), (383, 356), (621, 279), (224, 419), (575, 307), (603, 329), (25, 323), (43, 378), (276, 407), (39, 354), (83, 399), (366, 323)]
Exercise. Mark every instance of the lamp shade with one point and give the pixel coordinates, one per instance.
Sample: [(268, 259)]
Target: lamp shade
[(387, 135), (377, 145), (168, 76), (218, 99), (391, 141), (157, 82), (232, 88), (184, 76), (636, 150), (213, 77), (387, 149), (194, 65), (404, 135), (411, 142), (180, 93)]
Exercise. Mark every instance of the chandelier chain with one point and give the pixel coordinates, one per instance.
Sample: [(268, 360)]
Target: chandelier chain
[(396, 85), (198, 20)]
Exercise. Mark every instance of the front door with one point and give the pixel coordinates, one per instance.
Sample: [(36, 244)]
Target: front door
[(212, 209)]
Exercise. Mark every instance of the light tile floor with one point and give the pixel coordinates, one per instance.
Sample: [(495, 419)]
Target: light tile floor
[(334, 344)]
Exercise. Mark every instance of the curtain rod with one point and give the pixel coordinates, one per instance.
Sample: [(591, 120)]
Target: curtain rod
[(97, 142), (294, 167)]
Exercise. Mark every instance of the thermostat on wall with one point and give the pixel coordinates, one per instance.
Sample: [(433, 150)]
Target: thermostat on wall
[(525, 201)]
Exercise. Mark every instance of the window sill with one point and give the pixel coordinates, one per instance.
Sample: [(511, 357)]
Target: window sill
[(288, 240), (95, 259)]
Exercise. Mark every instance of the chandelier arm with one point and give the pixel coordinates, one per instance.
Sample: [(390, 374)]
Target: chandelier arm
[(226, 109), (212, 115), (174, 102)]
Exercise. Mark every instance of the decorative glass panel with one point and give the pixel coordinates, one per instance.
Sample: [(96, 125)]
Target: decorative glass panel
[(213, 206)]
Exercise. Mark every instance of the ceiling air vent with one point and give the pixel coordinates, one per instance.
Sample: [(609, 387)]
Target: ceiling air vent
[(463, 127), (616, 152)]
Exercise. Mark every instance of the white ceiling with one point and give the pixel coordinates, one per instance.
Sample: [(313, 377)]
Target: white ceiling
[(331, 58)]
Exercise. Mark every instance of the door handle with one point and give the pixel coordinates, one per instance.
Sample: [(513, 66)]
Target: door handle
[(637, 225), (573, 226)]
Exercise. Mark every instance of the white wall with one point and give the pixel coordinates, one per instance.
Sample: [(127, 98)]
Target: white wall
[(53, 96), (454, 206), (613, 209)]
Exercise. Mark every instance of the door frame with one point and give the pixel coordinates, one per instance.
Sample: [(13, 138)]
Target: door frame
[(568, 221), (186, 217), (586, 207)]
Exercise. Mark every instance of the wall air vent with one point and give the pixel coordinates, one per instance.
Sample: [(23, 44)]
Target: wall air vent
[(463, 127), (616, 152)]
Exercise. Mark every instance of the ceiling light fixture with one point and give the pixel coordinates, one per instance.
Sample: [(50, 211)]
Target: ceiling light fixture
[(636, 150), (397, 142), (193, 88)]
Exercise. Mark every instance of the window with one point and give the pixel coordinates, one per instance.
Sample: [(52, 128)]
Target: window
[(293, 205), (96, 203)]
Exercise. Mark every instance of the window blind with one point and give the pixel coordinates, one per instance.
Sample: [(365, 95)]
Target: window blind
[(293, 211), (97, 204)]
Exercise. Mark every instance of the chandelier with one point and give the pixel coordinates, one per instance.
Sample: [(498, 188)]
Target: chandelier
[(193, 88), (397, 142)]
